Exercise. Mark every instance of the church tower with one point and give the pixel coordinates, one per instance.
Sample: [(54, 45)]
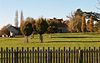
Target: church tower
[(16, 19), (21, 19)]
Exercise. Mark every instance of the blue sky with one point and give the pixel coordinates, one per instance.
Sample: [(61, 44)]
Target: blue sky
[(45, 8)]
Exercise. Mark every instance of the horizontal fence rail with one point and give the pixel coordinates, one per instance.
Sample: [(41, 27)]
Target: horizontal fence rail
[(50, 55)]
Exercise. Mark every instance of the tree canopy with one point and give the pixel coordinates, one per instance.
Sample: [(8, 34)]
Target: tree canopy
[(41, 25)]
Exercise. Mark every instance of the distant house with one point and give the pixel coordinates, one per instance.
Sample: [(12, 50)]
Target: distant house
[(13, 30), (4, 32)]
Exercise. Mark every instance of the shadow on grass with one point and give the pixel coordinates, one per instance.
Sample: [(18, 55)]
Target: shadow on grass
[(75, 37), (72, 41)]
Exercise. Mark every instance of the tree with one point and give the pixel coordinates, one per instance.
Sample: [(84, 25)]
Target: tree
[(75, 21), (78, 12), (27, 29), (83, 27), (52, 26), (5, 31), (97, 26), (41, 27), (91, 24), (32, 20)]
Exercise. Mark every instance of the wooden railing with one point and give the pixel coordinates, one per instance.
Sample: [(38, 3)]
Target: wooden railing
[(50, 55)]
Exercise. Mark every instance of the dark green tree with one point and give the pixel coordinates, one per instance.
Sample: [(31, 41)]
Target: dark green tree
[(27, 29), (32, 20), (52, 26), (41, 27)]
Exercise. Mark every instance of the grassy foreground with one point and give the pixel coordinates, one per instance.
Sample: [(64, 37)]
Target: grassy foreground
[(55, 40)]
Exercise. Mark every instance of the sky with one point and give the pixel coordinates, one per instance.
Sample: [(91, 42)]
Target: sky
[(45, 8)]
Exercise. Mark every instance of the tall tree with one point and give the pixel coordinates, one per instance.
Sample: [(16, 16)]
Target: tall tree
[(83, 27), (91, 24), (27, 29), (78, 12), (41, 27), (32, 21), (75, 21)]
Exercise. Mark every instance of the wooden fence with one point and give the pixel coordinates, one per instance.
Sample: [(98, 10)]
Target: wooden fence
[(49, 55)]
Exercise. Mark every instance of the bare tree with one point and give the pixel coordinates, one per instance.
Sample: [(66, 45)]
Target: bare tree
[(98, 4), (75, 21)]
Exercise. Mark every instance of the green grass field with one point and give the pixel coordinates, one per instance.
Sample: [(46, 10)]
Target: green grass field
[(58, 40)]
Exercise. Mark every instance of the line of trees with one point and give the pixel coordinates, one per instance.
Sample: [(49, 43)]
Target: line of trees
[(40, 26), (76, 23), (30, 26), (83, 22)]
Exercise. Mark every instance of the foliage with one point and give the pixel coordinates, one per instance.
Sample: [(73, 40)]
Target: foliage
[(97, 27), (79, 12), (75, 21), (41, 27), (32, 21), (33, 24), (52, 26), (91, 24), (21, 26), (27, 28), (83, 27)]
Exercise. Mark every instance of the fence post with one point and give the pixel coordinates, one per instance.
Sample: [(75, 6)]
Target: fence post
[(1, 55), (81, 56), (49, 55), (69, 54), (33, 54), (38, 55), (7, 54), (99, 54), (16, 56), (41, 57)]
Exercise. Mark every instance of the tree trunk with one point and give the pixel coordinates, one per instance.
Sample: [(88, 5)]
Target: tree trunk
[(41, 38), (32, 36), (26, 39), (50, 35)]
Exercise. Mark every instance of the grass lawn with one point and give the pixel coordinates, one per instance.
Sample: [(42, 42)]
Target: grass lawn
[(58, 40)]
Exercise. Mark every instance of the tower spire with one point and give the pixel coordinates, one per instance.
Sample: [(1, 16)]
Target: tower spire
[(21, 18), (16, 19)]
